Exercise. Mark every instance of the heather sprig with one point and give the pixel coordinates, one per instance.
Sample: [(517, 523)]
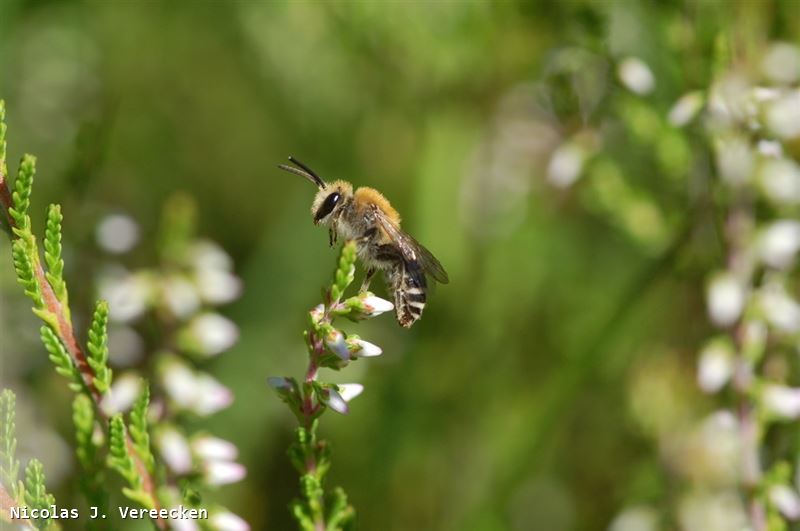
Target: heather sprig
[(328, 347)]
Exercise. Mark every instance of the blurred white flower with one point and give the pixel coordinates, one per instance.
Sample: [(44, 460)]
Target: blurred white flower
[(731, 102), (223, 472), (208, 255), (718, 511), (211, 395), (780, 310), (715, 366), (127, 295), (638, 518), (123, 393), (175, 450), (209, 448), (779, 243), (200, 393), (363, 349), (227, 521), (211, 333), (117, 233), (218, 286), (335, 401), (350, 391), (566, 165), (780, 180), (180, 296), (770, 148), (735, 160), (783, 115), (786, 500), (636, 76), (686, 108), (336, 343), (183, 524), (782, 401), (726, 299), (125, 345), (781, 63)]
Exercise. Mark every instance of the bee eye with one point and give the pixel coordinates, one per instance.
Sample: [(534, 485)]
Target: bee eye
[(327, 206)]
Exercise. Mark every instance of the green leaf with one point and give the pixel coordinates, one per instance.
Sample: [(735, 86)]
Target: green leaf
[(24, 265), (87, 449), (21, 195), (138, 428), (345, 271), (98, 347), (9, 466), (61, 359), (36, 496), (52, 256)]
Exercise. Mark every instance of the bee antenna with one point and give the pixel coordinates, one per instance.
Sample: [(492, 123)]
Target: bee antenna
[(303, 171)]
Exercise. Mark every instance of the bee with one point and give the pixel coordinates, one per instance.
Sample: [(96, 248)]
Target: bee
[(366, 216)]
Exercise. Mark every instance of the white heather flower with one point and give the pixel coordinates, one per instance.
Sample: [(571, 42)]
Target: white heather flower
[(211, 396), (735, 160), (715, 366), (350, 391), (726, 298), (209, 448), (123, 393), (217, 286), (364, 349), (180, 383), (779, 243), (127, 295), (786, 500), (208, 255), (223, 472), (782, 63), (183, 524), (227, 521), (783, 115), (375, 305), (780, 180), (117, 233), (175, 450), (779, 308), (686, 108), (782, 401), (335, 401), (770, 148), (180, 296), (636, 76), (566, 165), (336, 343), (638, 518), (211, 333)]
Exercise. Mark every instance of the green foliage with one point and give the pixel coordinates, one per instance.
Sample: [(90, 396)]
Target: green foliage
[(98, 347), (87, 448), (21, 195), (61, 359), (120, 460), (345, 272), (9, 466), (24, 266), (52, 255), (3, 166), (138, 428), (36, 495)]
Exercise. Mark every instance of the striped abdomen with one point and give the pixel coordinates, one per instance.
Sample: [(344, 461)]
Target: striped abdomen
[(407, 280)]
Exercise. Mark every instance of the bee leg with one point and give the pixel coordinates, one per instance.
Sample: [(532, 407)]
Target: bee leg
[(332, 236), (367, 279)]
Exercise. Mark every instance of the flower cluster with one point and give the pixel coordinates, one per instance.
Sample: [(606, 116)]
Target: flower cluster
[(193, 278), (328, 347)]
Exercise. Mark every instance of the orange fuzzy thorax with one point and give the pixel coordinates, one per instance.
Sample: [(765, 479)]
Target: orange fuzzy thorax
[(366, 195)]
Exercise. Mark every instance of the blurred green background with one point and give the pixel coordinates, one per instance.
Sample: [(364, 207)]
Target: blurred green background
[(533, 393)]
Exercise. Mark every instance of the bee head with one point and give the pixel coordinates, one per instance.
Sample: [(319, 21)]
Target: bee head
[(329, 200), (331, 196)]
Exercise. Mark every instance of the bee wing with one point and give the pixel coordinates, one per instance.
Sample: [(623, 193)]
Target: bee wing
[(412, 250)]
